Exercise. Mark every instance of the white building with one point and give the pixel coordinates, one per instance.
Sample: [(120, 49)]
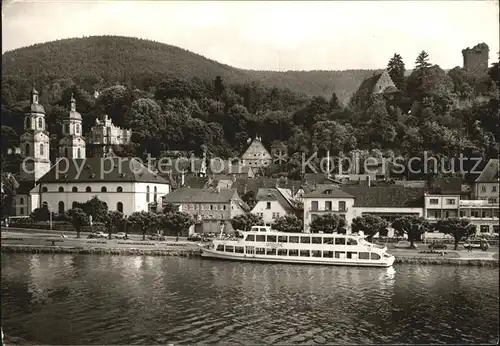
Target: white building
[(487, 184), (104, 134), (438, 207), (273, 203), (256, 154)]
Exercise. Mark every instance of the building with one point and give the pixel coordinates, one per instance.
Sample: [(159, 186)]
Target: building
[(210, 208), (486, 186), (482, 214), (256, 155), (441, 206), (380, 84), (327, 199), (476, 60), (104, 135), (124, 184), (273, 203), (72, 143)]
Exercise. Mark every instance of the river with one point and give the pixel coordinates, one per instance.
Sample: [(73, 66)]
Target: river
[(85, 299)]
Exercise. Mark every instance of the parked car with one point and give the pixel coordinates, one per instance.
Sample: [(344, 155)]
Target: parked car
[(437, 246), (157, 237), (97, 235), (476, 245), (121, 235), (403, 244), (194, 237)]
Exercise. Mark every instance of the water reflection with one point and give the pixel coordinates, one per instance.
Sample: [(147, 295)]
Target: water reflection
[(147, 300)]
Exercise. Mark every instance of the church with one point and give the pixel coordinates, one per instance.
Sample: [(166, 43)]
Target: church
[(124, 184)]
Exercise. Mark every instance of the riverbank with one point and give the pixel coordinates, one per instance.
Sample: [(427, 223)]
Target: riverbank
[(189, 250)]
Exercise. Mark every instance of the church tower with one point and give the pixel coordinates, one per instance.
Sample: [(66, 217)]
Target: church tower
[(34, 142), (72, 144)]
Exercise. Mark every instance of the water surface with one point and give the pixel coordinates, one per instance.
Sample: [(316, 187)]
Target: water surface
[(86, 299)]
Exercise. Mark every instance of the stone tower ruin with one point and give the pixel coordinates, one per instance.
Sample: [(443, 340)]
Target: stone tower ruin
[(476, 60)]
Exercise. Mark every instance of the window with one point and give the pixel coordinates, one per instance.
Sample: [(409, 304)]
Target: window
[(484, 229), (229, 248), (282, 252), (483, 188), (88, 189), (211, 207), (342, 206), (119, 189), (239, 249), (260, 237), (61, 189), (293, 239), (328, 240), (44, 189), (351, 255), (494, 188), (41, 149), (351, 241), (314, 205), (305, 253), (268, 205), (77, 129), (316, 253), (74, 205), (220, 247), (495, 228), (339, 241), (79, 153), (316, 240), (21, 201), (433, 201), (155, 192), (103, 189), (450, 201), (250, 237), (293, 252), (27, 149), (61, 207), (119, 207), (375, 256), (339, 254), (327, 254), (260, 251), (147, 193), (364, 256), (493, 200), (74, 189), (462, 213), (224, 207), (271, 252), (271, 239), (21, 211), (305, 240), (328, 205), (282, 239)]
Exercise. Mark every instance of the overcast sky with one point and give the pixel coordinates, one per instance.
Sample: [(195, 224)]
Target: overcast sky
[(265, 35)]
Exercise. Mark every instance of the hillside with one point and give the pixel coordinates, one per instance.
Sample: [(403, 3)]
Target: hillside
[(116, 58)]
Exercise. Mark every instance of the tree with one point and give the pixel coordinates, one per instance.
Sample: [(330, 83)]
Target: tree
[(457, 228), (143, 221), (422, 61), (369, 225), (113, 220), (396, 69), (8, 192), (169, 208), (245, 222), (41, 214), (326, 223), (249, 198), (288, 223), (77, 218), (413, 226), (95, 208), (176, 222)]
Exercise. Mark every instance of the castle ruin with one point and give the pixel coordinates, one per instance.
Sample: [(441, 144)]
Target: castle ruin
[(476, 60)]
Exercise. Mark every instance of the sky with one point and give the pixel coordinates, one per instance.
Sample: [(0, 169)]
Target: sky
[(266, 35)]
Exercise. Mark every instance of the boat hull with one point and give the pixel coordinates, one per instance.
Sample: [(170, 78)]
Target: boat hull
[(212, 254)]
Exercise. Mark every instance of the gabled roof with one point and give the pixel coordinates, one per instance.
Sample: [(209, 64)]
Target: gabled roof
[(244, 185), (389, 196), (116, 169), (190, 195), (490, 172), (327, 191), (256, 148), (273, 194)]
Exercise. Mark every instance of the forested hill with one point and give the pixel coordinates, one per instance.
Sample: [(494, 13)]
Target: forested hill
[(124, 59)]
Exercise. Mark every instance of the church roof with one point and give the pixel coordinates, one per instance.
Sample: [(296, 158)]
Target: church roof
[(256, 151), (107, 169), (35, 108)]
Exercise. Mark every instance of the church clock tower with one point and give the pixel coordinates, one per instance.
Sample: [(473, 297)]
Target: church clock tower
[(34, 142), (72, 145)]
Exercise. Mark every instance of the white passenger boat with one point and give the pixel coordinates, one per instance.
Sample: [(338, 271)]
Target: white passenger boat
[(263, 244)]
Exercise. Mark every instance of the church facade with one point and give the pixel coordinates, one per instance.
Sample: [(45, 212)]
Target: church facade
[(124, 184)]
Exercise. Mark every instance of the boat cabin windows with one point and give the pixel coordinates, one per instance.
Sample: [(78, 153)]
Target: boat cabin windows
[(229, 248), (316, 240), (339, 254), (250, 237), (282, 239), (282, 252), (260, 237), (305, 240), (352, 255), (339, 241), (271, 252), (239, 249), (375, 256), (327, 254), (260, 251), (351, 241), (316, 253), (220, 247), (250, 250), (305, 253), (271, 239), (293, 239), (328, 240), (293, 252), (364, 256)]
